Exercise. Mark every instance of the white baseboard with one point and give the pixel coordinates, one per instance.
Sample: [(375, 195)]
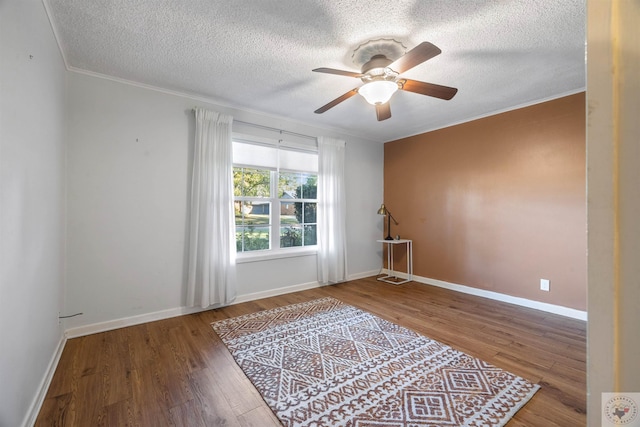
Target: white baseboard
[(295, 288), (275, 292), (109, 325), (363, 275), (178, 311), (523, 302), (38, 400)]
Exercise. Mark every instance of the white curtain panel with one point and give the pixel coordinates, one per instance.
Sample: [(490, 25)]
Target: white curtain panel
[(211, 276), (332, 241)]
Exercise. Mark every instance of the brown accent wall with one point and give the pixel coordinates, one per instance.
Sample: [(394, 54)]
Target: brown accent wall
[(497, 203)]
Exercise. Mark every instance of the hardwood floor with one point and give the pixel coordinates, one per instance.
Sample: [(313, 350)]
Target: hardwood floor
[(178, 372)]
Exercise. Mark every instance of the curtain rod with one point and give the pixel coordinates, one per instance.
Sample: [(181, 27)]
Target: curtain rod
[(301, 135)]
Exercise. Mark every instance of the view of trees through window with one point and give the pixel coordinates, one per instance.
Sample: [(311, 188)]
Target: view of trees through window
[(256, 191)]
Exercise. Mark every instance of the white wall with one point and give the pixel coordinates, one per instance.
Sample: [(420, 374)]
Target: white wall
[(613, 179), (129, 156), (32, 91)]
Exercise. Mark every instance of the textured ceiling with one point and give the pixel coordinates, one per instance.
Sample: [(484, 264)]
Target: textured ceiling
[(258, 55)]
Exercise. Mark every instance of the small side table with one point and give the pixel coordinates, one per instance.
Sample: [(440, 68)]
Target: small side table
[(391, 244)]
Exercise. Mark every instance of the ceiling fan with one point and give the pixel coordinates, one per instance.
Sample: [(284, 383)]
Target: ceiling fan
[(381, 78)]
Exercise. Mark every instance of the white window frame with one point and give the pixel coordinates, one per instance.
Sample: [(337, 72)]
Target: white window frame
[(275, 251)]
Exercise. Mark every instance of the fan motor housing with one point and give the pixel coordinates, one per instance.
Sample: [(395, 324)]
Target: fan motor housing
[(376, 62)]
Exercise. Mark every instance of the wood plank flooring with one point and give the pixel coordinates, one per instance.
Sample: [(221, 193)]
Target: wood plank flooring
[(177, 372)]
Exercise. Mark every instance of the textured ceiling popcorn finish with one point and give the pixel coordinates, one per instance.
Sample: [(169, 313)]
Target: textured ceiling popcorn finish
[(258, 55)]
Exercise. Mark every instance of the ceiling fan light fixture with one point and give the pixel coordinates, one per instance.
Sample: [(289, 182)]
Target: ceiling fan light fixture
[(380, 76), (378, 91)]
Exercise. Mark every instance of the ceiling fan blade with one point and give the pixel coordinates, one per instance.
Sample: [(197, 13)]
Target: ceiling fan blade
[(419, 54), (383, 111), (338, 72), (429, 89), (336, 101)]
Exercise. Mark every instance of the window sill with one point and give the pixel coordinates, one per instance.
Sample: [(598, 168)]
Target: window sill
[(267, 256)]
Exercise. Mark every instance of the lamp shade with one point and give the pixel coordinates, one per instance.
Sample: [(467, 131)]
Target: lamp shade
[(384, 211), (378, 91)]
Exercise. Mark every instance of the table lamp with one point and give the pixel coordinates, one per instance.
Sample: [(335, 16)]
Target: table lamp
[(384, 211)]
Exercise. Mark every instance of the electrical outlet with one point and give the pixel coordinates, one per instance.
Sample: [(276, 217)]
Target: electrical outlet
[(544, 285)]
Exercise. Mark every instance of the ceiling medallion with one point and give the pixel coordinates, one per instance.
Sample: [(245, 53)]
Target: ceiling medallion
[(391, 48)]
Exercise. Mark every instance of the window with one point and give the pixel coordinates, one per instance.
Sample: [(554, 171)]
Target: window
[(252, 206), (275, 196), (297, 192)]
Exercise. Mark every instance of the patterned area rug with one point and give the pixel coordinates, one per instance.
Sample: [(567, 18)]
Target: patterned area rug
[(325, 363)]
